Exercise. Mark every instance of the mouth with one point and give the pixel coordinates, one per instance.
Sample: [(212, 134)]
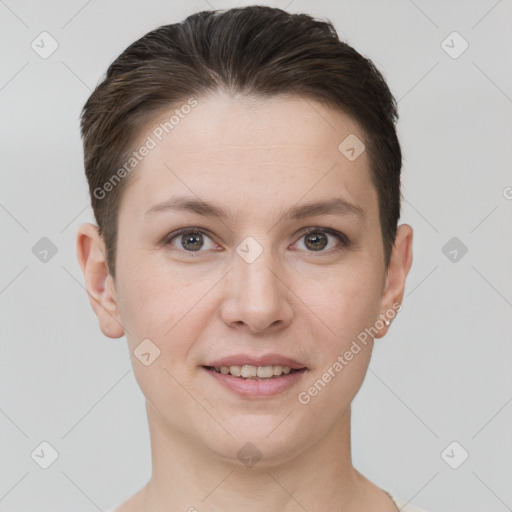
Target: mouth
[(255, 382), (249, 372)]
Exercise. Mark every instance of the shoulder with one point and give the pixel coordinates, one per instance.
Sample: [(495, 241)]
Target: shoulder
[(403, 506)]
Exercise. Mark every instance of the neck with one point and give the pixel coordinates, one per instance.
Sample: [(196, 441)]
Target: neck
[(190, 477)]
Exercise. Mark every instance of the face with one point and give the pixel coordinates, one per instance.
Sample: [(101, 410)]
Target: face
[(267, 280)]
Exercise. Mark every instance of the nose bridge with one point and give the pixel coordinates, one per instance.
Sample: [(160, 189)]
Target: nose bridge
[(254, 269), (257, 296)]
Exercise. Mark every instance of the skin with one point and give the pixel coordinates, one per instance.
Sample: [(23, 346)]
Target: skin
[(258, 159)]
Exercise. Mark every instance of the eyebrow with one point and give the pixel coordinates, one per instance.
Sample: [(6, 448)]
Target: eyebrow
[(334, 206)]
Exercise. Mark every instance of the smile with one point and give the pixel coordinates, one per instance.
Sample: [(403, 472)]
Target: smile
[(253, 372), (245, 381)]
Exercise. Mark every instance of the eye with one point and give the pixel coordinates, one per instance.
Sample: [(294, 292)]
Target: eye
[(190, 240), (317, 239)]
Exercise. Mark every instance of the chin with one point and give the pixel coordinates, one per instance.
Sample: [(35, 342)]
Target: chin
[(258, 446)]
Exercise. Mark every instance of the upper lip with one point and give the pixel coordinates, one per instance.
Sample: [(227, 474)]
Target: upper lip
[(262, 360)]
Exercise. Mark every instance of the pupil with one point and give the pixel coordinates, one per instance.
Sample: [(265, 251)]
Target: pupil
[(315, 238), (193, 239)]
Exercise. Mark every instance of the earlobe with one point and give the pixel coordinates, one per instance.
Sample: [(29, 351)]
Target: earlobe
[(399, 266), (99, 284)]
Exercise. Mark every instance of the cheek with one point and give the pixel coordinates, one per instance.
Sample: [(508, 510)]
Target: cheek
[(347, 301), (151, 298), (143, 306), (347, 306), (157, 314), (166, 307)]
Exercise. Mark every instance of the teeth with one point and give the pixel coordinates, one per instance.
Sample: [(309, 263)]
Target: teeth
[(249, 371), (254, 372), (264, 372), (234, 370)]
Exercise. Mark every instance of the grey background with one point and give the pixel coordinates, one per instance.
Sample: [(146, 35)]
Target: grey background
[(442, 374)]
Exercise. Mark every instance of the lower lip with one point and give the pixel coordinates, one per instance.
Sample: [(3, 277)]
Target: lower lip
[(257, 388)]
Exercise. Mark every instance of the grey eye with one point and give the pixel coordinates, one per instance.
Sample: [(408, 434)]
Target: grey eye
[(191, 241), (316, 241)]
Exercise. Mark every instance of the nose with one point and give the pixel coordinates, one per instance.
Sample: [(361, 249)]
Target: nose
[(257, 296)]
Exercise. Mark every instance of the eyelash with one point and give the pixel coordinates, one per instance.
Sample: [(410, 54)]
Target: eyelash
[(342, 238)]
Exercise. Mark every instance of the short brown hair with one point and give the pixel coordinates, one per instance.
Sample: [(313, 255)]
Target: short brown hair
[(256, 51)]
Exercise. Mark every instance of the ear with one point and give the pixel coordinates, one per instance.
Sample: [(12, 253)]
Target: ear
[(399, 265), (99, 283)]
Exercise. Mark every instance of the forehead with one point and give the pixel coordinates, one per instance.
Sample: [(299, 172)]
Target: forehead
[(292, 125), (280, 148)]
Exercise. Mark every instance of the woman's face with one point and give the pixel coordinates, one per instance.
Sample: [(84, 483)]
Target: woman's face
[(252, 285)]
